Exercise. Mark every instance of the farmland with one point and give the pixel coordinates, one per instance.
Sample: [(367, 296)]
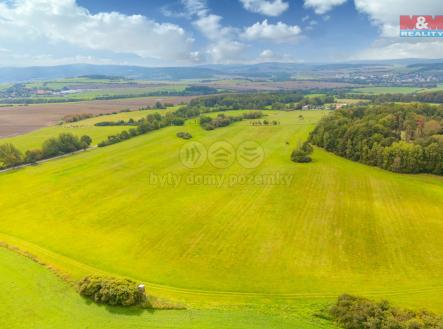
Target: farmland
[(395, 90), (268, 257), (19, 119), (34, 139)]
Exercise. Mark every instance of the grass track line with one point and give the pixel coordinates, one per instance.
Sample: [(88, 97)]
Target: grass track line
[(199, 292)]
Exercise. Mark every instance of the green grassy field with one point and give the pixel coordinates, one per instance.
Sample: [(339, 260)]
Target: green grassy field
[(396, 90), (35, 298), (267, 249)]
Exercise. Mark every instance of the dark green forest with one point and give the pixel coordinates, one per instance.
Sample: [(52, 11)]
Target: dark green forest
[(405, 138)]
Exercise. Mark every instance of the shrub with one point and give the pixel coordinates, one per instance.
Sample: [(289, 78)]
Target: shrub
[(10, 156), (301, 153), (184, 135), (77, 117), (32, 156), (86, 141), (111, 291), (352, 312)]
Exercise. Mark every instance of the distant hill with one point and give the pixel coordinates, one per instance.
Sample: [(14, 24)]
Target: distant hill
[(278, 71)]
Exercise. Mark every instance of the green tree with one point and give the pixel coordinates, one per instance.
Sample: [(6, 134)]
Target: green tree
[(10, 156)]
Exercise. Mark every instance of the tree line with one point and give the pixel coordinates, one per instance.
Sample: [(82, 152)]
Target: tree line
[(406, 138), (246, 101), (223, 120), (10, 156), (150, 123)]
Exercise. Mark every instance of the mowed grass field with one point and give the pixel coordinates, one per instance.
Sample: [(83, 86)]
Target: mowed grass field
[(34, 298), (276, 249), (396, 90)]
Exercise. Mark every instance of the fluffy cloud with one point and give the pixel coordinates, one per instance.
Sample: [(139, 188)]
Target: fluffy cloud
[(227, 52), (396, 50), (385, 14), (323, 6), (64, 22), (211, 27), (278, 33), (266, 7)]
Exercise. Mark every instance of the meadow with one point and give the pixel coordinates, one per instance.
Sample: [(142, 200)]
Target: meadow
[(396, 90), (257, 253)]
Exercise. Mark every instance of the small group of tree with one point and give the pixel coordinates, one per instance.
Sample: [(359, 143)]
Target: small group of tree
[(150, 123), (10, 156), (315, 101), (351, 312), (112, 291), (404, 138), (302, 153), (77, 117), (247, 101), (223, 120), (130, 122), (265, 123), (184, 135)]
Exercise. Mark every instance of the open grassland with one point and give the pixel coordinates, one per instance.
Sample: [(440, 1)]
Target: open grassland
[(19, 119), (34, 139), (333, 226), (35, 298), (395, 90)]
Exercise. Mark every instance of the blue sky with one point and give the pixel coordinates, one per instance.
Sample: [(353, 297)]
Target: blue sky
[(192, 32)]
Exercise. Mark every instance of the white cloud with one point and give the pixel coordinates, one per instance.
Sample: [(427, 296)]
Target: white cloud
[(64, 22), (211, 27), (386, 14), (396, 50), (323, 6), (227, 52), (266, 7), (267, 55), (277, 33), (196, 7)]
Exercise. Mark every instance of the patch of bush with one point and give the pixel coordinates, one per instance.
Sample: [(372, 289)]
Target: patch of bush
[(184, 135), (351, 312), (111, 291), (223, 120), (302, 153), (77, 117), (10, 156)]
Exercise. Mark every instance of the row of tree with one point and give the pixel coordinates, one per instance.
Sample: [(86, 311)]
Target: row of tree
[(246, 101), (150, 123), (405, 138), (10, 156), (223, 120)]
